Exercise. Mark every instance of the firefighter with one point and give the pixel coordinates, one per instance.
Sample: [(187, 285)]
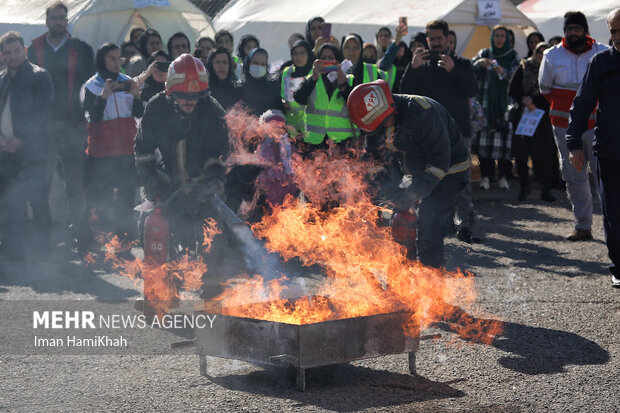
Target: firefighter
[(420, 145), (180, 148)]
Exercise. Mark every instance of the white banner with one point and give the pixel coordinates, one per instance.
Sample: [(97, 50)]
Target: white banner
[(489, 12), (138, 4)]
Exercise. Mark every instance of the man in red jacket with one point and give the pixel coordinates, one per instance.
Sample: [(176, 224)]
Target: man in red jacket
[(561, 70)]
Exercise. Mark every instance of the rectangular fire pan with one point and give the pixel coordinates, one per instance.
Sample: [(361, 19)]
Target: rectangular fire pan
[(308, 345)]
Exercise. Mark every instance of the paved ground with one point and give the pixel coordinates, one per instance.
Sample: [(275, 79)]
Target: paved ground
[(559, 351)]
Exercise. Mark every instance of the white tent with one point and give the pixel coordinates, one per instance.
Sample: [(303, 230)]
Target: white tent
[(549, 15), (272, 21), (100, 21)]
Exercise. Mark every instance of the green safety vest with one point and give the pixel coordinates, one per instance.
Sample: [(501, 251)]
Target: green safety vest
[(238, 69), (327, 116), (295, 111), (372, 73), (391, 76)]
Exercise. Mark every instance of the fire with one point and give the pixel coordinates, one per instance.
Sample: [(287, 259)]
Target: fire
[(160, 281), (367, 272)]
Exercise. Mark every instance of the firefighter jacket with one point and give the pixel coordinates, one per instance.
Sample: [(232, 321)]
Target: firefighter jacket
[(173, 148), (427, 143), (561, 72)]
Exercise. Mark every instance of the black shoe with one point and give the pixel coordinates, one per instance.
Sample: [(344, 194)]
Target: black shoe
[(465, 235), (547, 196)]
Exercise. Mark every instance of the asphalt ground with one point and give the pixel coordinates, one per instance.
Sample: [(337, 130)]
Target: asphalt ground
[(559, 350)]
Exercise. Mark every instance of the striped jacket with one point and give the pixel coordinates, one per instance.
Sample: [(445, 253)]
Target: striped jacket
[(561, 72)]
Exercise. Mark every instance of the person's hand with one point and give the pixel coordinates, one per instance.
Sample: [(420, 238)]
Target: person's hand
[(528, 103), (10, 145), (419, 55), (576, 159), (483, 62), (108, 88), (135, 88), (316, 67), (401, 30), (499, 70), (446, 62)]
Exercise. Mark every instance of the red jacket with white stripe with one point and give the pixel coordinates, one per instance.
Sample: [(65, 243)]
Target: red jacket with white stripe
[(561, 72), (111, 122)]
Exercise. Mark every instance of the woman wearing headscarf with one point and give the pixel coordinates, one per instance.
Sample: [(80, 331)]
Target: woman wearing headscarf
[(247, 43), (383, 39), (291, 78), (150, 41), (493, 68), (351, 49), (541, 146), (369, 53), (156, 81), (325, 96), (111, 102), (418, 40), (396, 58), (220, 67), (313, 29), (259, 92), (533, 39)]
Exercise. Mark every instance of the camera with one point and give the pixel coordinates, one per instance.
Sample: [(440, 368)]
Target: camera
[(434, 55), (123, 87)]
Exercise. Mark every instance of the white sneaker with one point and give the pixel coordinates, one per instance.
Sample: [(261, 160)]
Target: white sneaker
[(503, 183), (484, 184), (615, 281)]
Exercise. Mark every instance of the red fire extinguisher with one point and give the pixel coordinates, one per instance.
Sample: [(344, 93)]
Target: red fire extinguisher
[(156, 237), (405, 230)]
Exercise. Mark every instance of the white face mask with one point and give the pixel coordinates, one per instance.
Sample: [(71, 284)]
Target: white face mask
[(257, 71)]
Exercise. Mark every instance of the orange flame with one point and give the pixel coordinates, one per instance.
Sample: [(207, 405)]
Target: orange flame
[(160, 281), (367, 271)]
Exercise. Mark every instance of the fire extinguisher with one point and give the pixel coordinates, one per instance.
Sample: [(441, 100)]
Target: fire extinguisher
[(405, 230), (156, 238)]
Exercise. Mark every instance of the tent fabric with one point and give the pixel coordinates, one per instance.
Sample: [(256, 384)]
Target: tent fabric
[(549, 15), (100, 21), (272, 21)]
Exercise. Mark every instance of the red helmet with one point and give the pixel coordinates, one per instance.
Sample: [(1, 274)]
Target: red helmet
[(187, 78), (369, 104)]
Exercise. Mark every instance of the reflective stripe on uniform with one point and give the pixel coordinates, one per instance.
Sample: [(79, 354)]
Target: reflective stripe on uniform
[(438, 172), (145, 158), (459, 167)]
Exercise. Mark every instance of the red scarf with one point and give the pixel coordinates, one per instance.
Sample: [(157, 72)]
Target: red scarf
[(589, 44)]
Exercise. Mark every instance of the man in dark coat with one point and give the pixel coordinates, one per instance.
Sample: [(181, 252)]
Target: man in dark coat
[(26, 152), (70, 63), (602, 83), (449, 79)]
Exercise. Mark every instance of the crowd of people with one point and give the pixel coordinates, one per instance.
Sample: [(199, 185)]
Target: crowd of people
[(84, 134)]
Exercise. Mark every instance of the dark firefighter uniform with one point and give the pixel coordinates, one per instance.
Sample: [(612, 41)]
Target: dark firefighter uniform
[(428, 151)]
